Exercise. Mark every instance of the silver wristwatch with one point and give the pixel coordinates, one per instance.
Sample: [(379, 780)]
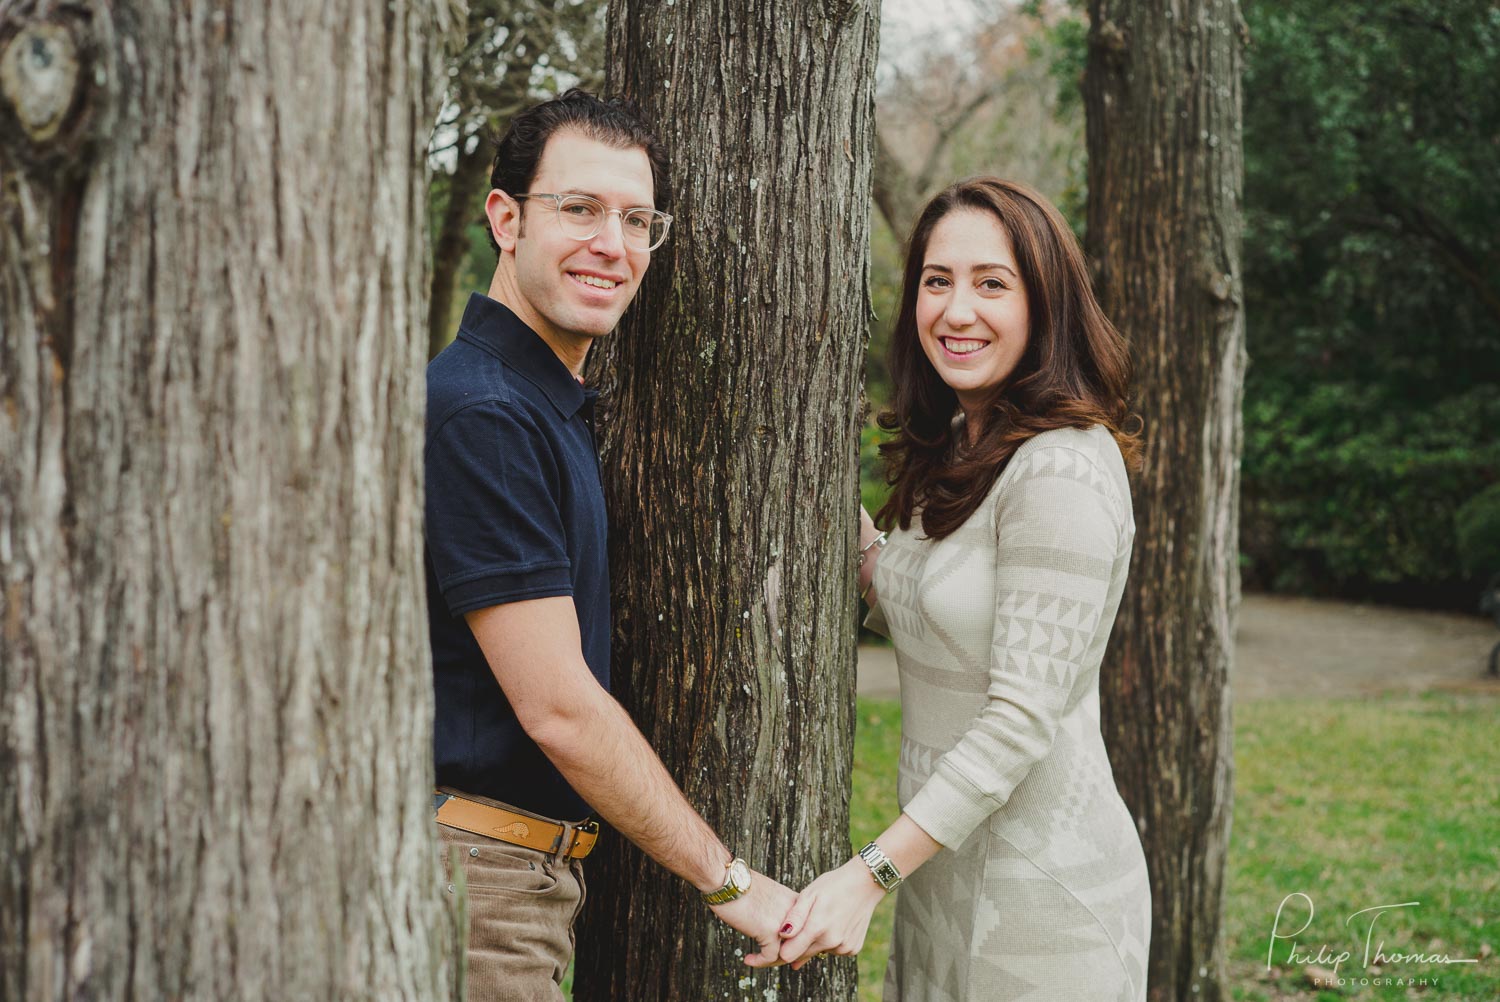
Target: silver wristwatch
[(736, 883), (881, 867)]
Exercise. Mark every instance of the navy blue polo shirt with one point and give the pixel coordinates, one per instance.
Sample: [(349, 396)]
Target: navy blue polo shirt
[(515, 510)]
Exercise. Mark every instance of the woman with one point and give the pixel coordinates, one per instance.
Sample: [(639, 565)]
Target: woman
[(1024, 876)]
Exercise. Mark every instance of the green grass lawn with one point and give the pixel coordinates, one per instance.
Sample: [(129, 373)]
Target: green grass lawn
[(1354, 803)]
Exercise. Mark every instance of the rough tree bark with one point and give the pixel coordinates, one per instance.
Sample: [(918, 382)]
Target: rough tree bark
[(214, 734), (1162, 92), (730, 461)]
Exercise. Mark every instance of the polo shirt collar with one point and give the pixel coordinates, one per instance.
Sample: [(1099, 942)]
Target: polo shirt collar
[(494, 328)]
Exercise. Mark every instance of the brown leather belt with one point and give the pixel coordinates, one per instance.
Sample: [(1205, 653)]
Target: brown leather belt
[(510, 824)]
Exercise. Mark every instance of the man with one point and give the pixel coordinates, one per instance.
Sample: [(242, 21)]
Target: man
[(528, 741)]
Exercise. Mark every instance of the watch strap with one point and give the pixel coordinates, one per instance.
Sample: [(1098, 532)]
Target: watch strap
[(731, 890), (881, 867)]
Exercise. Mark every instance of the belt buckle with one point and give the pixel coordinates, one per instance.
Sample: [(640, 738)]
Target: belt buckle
[(568, 837)]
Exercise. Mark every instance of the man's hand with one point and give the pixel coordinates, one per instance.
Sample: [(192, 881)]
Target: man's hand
[(760, 913)]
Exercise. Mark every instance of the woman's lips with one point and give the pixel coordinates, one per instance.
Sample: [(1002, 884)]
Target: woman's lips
[(961, 348)]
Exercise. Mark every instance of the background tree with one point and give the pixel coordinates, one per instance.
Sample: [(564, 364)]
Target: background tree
[(215, 729), (516, 53), (733, 391), (1162, 94)]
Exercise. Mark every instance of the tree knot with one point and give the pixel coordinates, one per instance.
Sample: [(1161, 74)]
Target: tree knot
[(43, 84), (1111, 38)]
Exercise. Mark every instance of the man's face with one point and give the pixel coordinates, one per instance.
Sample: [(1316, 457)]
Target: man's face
[(579, 288)]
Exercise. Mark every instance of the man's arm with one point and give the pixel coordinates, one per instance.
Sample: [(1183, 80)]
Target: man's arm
[(533, 647)]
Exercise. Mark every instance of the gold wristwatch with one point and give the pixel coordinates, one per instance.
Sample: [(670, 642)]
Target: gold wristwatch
[(736, 883)]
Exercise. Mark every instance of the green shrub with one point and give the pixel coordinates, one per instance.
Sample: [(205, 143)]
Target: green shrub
[(1347, 493), (1478, 532)]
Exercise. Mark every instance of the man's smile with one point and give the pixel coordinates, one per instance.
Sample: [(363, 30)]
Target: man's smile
[(594, 281)]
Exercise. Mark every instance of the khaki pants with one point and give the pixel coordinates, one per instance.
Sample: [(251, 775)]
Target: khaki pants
[(521, 908)]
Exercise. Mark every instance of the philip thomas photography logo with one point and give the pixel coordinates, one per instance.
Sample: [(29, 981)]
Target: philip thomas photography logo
[(1378, 963)]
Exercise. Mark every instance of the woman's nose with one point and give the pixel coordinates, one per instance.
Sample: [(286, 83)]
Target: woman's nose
[(960, 312)]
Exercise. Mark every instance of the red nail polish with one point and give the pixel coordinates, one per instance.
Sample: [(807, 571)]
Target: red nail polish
[(786, 928)]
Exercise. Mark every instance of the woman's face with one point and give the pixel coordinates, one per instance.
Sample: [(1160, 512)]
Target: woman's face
[(971, 306)]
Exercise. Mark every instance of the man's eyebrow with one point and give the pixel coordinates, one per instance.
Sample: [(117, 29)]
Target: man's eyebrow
[(595, 196)]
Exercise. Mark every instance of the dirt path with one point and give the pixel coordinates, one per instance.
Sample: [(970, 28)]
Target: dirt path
[(1307, 648)]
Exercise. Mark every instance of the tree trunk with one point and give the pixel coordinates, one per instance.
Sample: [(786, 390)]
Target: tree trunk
[(1162, 92), (730, 463), (214, 737)]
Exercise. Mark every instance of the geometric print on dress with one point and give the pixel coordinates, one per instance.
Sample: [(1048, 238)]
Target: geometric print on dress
[(916, 760), (1063, 461), (1043, 637), (900, 570), (1053, 905)]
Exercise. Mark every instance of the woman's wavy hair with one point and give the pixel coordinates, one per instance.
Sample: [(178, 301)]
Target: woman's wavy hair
[(1074, 373)]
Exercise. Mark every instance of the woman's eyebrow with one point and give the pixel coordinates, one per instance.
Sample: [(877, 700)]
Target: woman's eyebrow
[(987, 266)]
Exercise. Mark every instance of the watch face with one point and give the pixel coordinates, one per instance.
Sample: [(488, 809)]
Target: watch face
[(739, 875)]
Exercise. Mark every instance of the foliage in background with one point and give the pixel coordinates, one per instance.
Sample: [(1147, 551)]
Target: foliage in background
[(1478, 524), (1373, 292)]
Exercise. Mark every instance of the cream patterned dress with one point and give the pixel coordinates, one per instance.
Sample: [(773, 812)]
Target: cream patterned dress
[(1040, 894)]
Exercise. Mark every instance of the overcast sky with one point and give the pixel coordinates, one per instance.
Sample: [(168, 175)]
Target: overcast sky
[(905, 24)]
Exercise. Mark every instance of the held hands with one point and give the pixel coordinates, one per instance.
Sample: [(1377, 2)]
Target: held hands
[(831, 915), (759, 913)]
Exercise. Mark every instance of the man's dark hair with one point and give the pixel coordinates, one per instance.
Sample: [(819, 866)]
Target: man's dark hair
[(615, 122)]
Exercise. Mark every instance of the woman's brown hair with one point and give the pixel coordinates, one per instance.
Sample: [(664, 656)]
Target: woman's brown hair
[(1074, 373)]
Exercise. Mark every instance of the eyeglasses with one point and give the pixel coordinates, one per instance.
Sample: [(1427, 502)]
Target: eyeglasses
[(583, 216)]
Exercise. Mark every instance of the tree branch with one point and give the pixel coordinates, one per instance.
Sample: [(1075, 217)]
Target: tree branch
[(895, 191)]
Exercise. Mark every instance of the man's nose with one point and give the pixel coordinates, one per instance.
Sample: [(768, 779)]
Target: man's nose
[(610, 240)]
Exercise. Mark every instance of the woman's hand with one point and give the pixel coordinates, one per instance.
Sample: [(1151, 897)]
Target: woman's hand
[(831, 915)]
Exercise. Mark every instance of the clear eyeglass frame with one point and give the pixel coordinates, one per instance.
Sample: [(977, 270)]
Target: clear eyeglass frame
[(583, 216)]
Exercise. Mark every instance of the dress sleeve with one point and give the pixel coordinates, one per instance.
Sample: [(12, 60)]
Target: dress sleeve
[(1057, 533), (494, 529)]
